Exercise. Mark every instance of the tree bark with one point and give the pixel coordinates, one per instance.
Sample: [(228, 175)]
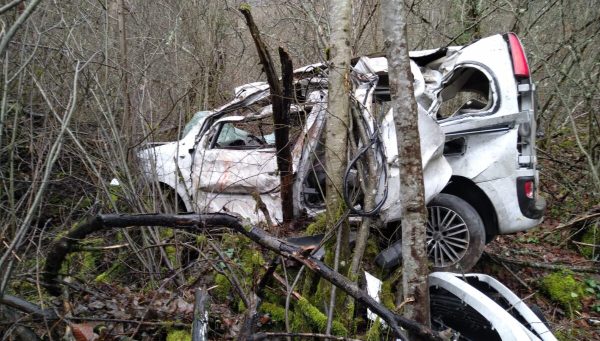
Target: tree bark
[(336, 134), (336, 144), (126, 123), (414, 255), (280, 100)]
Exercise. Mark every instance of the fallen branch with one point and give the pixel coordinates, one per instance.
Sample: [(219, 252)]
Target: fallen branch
[(272, 335), (203, 222), (592, 214), (16, 331), (588, 269), (27, 307), (165, 324)]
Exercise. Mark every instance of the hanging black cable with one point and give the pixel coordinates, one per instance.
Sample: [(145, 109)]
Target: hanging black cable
[(374, 141)]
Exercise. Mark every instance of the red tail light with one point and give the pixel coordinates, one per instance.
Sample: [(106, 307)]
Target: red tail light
[(520, 66), (529, 189)]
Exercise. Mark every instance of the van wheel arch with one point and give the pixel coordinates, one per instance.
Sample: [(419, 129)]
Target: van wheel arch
[(170, 194), (469, 191)]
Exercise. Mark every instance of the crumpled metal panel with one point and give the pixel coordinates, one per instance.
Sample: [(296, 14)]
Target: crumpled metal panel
[(238, 171), (229, 179), (436, 169)]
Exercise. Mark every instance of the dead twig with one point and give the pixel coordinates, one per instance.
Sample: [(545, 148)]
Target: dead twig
[(271, 335), (27, 307), (574, 221), (587, 269)]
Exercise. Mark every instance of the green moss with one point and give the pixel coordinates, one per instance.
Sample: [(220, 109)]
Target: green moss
[(568, 334), (374, 332), (252, 260), (277, 313), (310, 286), (235, 241), (298, 322), (324, 220), (386, 295), (223, 288), (200, 239), (318, 320), (86, 203), (273, 296), (371, 251), (564, 289), (64, 233), (90, 258), (592, 237), (248, 265), (103, 277), (317, 226), (245, 6), (112, 272), (179, 335), (241, 307), (166, 233), (88, 263), (316, 294), (171, 251)]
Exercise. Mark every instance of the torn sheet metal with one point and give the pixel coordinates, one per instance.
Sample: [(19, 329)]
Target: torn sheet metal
[(488, 304), (509, 318), (436, 169)]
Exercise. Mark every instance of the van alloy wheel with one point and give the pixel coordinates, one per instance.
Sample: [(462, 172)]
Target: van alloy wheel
[(447, 236), (455, 234)]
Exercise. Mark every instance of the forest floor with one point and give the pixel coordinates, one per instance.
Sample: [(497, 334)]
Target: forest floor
[(523, 262), (543, 266)]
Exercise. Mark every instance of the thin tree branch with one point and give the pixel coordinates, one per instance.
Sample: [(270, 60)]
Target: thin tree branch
[(9, 5), (15, 27)]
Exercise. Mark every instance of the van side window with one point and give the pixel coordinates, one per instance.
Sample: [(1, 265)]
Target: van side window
[(254, 132), (466, 92), (246, 134)]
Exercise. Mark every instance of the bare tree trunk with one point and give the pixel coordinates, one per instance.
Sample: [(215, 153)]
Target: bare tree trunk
[(118, 35), (280, 100), (336, 144), (126, 119), (414, 255), (339, 103)]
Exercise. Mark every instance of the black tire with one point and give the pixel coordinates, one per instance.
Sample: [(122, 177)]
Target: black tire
[(455, 234)]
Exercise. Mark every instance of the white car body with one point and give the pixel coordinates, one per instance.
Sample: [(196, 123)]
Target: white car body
[(483, 152)]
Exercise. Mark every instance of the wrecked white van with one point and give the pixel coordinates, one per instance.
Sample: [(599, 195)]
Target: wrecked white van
[(477, 124)]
